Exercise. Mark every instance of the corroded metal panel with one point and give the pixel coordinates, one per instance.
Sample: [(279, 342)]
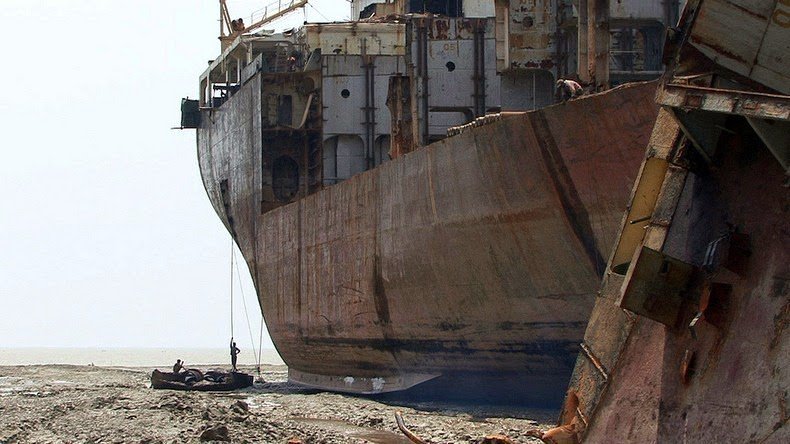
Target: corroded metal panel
[(610, 327), (404, 138), (357, 38), (501, 35), (344, 96), (229, 155), (655, 286), (745, 103), (459, 76), (344, 112), (756, 42), (451, 72), (773, 62), (636, 9), (526, 89), (478, 8), (532, 28)]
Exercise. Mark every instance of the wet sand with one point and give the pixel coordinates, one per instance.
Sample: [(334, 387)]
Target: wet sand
[(86, 404)]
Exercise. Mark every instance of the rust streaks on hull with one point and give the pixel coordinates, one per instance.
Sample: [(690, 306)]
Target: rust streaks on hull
[(575, 213)]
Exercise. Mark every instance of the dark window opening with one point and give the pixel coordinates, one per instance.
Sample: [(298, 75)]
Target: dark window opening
[(285, 111), (450, 66), (345, 93), (449, 8), (285, 178), (528, 22)]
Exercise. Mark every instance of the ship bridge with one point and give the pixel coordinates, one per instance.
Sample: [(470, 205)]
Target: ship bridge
[(247, 50), (243, 57)]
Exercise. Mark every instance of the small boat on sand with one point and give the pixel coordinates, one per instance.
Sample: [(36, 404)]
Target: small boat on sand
[(194, 379)]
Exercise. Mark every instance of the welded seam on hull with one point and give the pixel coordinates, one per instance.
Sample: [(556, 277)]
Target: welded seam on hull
[(429, 171), (304, 325), (380, 301), (550, 348), (572, 205)]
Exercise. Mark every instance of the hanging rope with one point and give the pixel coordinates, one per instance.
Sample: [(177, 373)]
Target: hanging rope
[(246, 312), (260, 347), (319, 12), (231, 290)]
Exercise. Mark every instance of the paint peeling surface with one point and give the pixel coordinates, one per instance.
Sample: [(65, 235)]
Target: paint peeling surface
[(476, 256), (531, 27), (378, 384), (757, 44), (357, 38)]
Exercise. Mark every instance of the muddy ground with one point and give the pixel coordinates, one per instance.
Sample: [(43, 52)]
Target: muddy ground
[(84, 404)]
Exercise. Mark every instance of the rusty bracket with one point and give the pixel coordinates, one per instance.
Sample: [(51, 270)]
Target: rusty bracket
[(595, 361), (641, 219), (731, 251), (713, 252), (655, 286), (716, 100), (582, 417), (693, 324)]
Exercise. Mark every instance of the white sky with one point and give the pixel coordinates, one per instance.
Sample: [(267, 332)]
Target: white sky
[(107, 238)]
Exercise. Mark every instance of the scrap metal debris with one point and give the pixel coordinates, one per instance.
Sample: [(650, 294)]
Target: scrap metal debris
[(568, 433), (497, 439), (409, 434), (564, 434), (489, 439)]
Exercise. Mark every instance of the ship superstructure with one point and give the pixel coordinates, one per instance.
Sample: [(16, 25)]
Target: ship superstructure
[(406, 72)]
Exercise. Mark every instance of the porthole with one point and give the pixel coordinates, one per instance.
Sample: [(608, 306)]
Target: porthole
[(528, 22)]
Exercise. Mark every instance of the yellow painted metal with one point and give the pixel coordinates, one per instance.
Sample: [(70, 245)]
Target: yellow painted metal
[(644, 201)]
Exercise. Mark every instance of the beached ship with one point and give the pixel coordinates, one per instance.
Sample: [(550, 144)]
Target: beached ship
[(386, 254), (688, 341)]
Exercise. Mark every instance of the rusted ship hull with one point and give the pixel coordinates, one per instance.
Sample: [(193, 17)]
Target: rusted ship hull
[(475, 257), (688, 341)]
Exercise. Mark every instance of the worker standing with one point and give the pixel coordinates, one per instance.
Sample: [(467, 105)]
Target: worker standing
[(234, 353)]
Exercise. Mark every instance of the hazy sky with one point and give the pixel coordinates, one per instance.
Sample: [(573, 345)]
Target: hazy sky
[(107, 237)]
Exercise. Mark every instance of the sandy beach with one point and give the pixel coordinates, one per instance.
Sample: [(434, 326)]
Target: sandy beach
[(92, 404)]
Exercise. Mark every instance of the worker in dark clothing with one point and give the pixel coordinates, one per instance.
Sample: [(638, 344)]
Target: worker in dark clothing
[(178, 366), (234, 352)]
